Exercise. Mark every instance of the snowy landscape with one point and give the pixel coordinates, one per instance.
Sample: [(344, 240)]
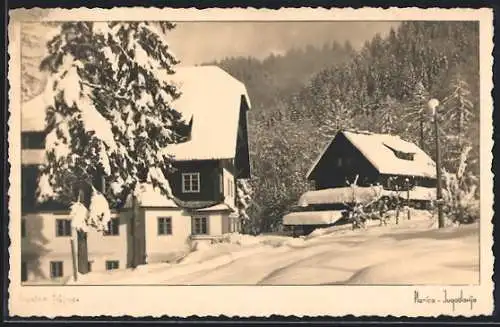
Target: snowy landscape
[(410, 253), (350, 159)]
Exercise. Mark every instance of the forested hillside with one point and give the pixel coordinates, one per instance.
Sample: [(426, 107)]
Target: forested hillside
[(276, 77), (382, 88), (301, 98)]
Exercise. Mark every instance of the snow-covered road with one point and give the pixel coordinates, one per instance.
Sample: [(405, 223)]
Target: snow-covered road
[(413, 252)]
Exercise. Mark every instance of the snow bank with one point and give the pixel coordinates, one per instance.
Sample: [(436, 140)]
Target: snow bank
[(453, 260), (412, 252)]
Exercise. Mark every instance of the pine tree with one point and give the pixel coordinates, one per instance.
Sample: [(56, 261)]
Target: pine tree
[(458, 115), (385, 116), (338, 117), (416, 117), (243, 199), (109, 118)]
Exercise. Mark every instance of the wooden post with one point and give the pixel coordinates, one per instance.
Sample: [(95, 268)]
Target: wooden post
[(408, 201), (407, 182), (73, 256)]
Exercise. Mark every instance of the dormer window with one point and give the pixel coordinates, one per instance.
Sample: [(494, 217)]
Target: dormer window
[(191, 182), (401, 154)]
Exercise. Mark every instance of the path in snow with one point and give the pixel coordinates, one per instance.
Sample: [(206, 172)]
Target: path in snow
[(413, 252)]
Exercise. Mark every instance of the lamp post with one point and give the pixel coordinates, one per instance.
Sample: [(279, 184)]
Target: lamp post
[(407, 187), (433, 105)]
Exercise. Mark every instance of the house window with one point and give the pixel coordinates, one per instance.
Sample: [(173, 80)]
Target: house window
[(29, 175), (56, 269), (339, 162), (24, 272), (32, 140), (23, 227), (230, 189), (234, 224), (113, 227), (164, 226), (191, 182), (90, 265), (112, 264), (63, 227), (200, 225)]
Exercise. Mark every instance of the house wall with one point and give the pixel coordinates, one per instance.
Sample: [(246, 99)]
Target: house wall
[(229, 188), (41, 245), (209, 180), (32, 157), (391, 181), (225, 223), (164, 247), (215, 223), (329, 173)]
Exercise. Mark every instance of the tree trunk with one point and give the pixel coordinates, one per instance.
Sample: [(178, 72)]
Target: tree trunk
[(82, 252), (421, 118), (138, 235), (460, 128), (81, 244)]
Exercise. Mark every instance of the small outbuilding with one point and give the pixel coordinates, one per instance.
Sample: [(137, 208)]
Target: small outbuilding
[(380, 166)]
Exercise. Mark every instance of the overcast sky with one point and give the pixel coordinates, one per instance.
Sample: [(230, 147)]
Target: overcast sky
[(198, 42)]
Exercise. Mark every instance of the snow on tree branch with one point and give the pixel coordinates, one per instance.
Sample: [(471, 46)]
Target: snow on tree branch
[(110, 112)]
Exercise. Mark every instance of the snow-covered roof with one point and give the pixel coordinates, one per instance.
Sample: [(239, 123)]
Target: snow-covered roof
[(150, 196), (340, 195), (312, 217), (417, 193), (217, 207), (378, 149), (212, 98), (423, 193)]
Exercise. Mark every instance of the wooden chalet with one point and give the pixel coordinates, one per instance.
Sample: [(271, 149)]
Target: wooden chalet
[(203, 206), (382, 165)]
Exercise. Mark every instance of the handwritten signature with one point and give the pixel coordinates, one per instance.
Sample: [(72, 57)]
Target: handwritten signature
[(55, 298), (452, 299)]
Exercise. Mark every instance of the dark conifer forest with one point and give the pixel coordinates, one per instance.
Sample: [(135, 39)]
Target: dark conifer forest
[(300, 99)]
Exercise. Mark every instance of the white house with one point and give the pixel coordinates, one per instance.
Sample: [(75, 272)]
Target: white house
[(204, 186)]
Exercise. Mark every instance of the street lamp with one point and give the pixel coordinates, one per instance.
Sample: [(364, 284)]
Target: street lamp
[(433, 105), (407, 187)]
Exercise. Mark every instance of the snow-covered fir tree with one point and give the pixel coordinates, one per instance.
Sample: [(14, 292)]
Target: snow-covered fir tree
[(243, 198), (109, 115), (416, 117), (457, 118)]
